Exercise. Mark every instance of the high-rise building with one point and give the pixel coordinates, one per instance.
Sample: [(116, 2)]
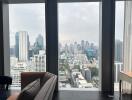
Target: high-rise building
[(118, 51), (17, 44), (86, 45), (23, 45), (12, 51), (91, 53), (86, 74), (38, 45), (39, 61), (66, 48), (71, 48), (40, 40), (83, 46), (75, 48), (30, 53)]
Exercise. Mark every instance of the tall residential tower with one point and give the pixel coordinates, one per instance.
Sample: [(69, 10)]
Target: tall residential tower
[(22, 45)]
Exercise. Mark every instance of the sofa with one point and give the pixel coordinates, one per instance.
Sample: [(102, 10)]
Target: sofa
[(36, 86)]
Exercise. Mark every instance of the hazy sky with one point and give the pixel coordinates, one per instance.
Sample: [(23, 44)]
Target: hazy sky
[(27, 17), (77, 21)]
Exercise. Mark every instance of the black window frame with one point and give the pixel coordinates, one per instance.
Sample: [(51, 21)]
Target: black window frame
[(107, 33)]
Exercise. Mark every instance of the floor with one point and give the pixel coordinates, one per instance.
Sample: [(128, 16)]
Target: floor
[(80, 95), (87, 95)]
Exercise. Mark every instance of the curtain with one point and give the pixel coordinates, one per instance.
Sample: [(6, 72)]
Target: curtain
[(127, 46)]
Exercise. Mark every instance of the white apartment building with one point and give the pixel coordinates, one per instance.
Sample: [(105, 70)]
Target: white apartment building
[(23, 46), (15, 73), (39, 61)]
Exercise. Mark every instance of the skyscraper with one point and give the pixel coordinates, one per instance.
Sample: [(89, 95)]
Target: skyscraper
[(118, 51), (83, 46), (23, 45), (86, 45), (39, 40), (38, 45), (12, 51), (17, 45)]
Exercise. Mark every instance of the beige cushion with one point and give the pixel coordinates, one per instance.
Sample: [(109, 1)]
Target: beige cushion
[(43, 93), (30, 91), (45, 78)]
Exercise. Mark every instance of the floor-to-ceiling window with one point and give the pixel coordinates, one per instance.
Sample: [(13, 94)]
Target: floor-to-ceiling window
[(123, 41), (78, 45), (119, 31), (27, 40), (79, 54)]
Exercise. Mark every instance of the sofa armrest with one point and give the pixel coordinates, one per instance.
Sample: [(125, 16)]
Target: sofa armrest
[(28, 77), (52, 88), (46, 92)]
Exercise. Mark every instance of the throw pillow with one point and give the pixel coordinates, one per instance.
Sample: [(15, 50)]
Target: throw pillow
[(30, 91)]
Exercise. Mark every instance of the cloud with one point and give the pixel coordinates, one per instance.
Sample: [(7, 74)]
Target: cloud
[(79, 21), (27, 17), (76, 21)]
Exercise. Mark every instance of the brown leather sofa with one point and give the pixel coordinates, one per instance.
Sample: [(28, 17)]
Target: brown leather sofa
[(46, 86)]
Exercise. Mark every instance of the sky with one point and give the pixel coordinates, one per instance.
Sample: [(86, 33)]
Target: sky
[(76, 21), (27, 17)]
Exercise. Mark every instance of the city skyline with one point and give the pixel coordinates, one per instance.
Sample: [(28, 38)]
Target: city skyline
[(60, 42), (22, 19)]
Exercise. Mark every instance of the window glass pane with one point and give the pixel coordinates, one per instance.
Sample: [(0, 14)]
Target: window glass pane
[(124, 44), (78, 45), (27, 40), (119, 30)]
